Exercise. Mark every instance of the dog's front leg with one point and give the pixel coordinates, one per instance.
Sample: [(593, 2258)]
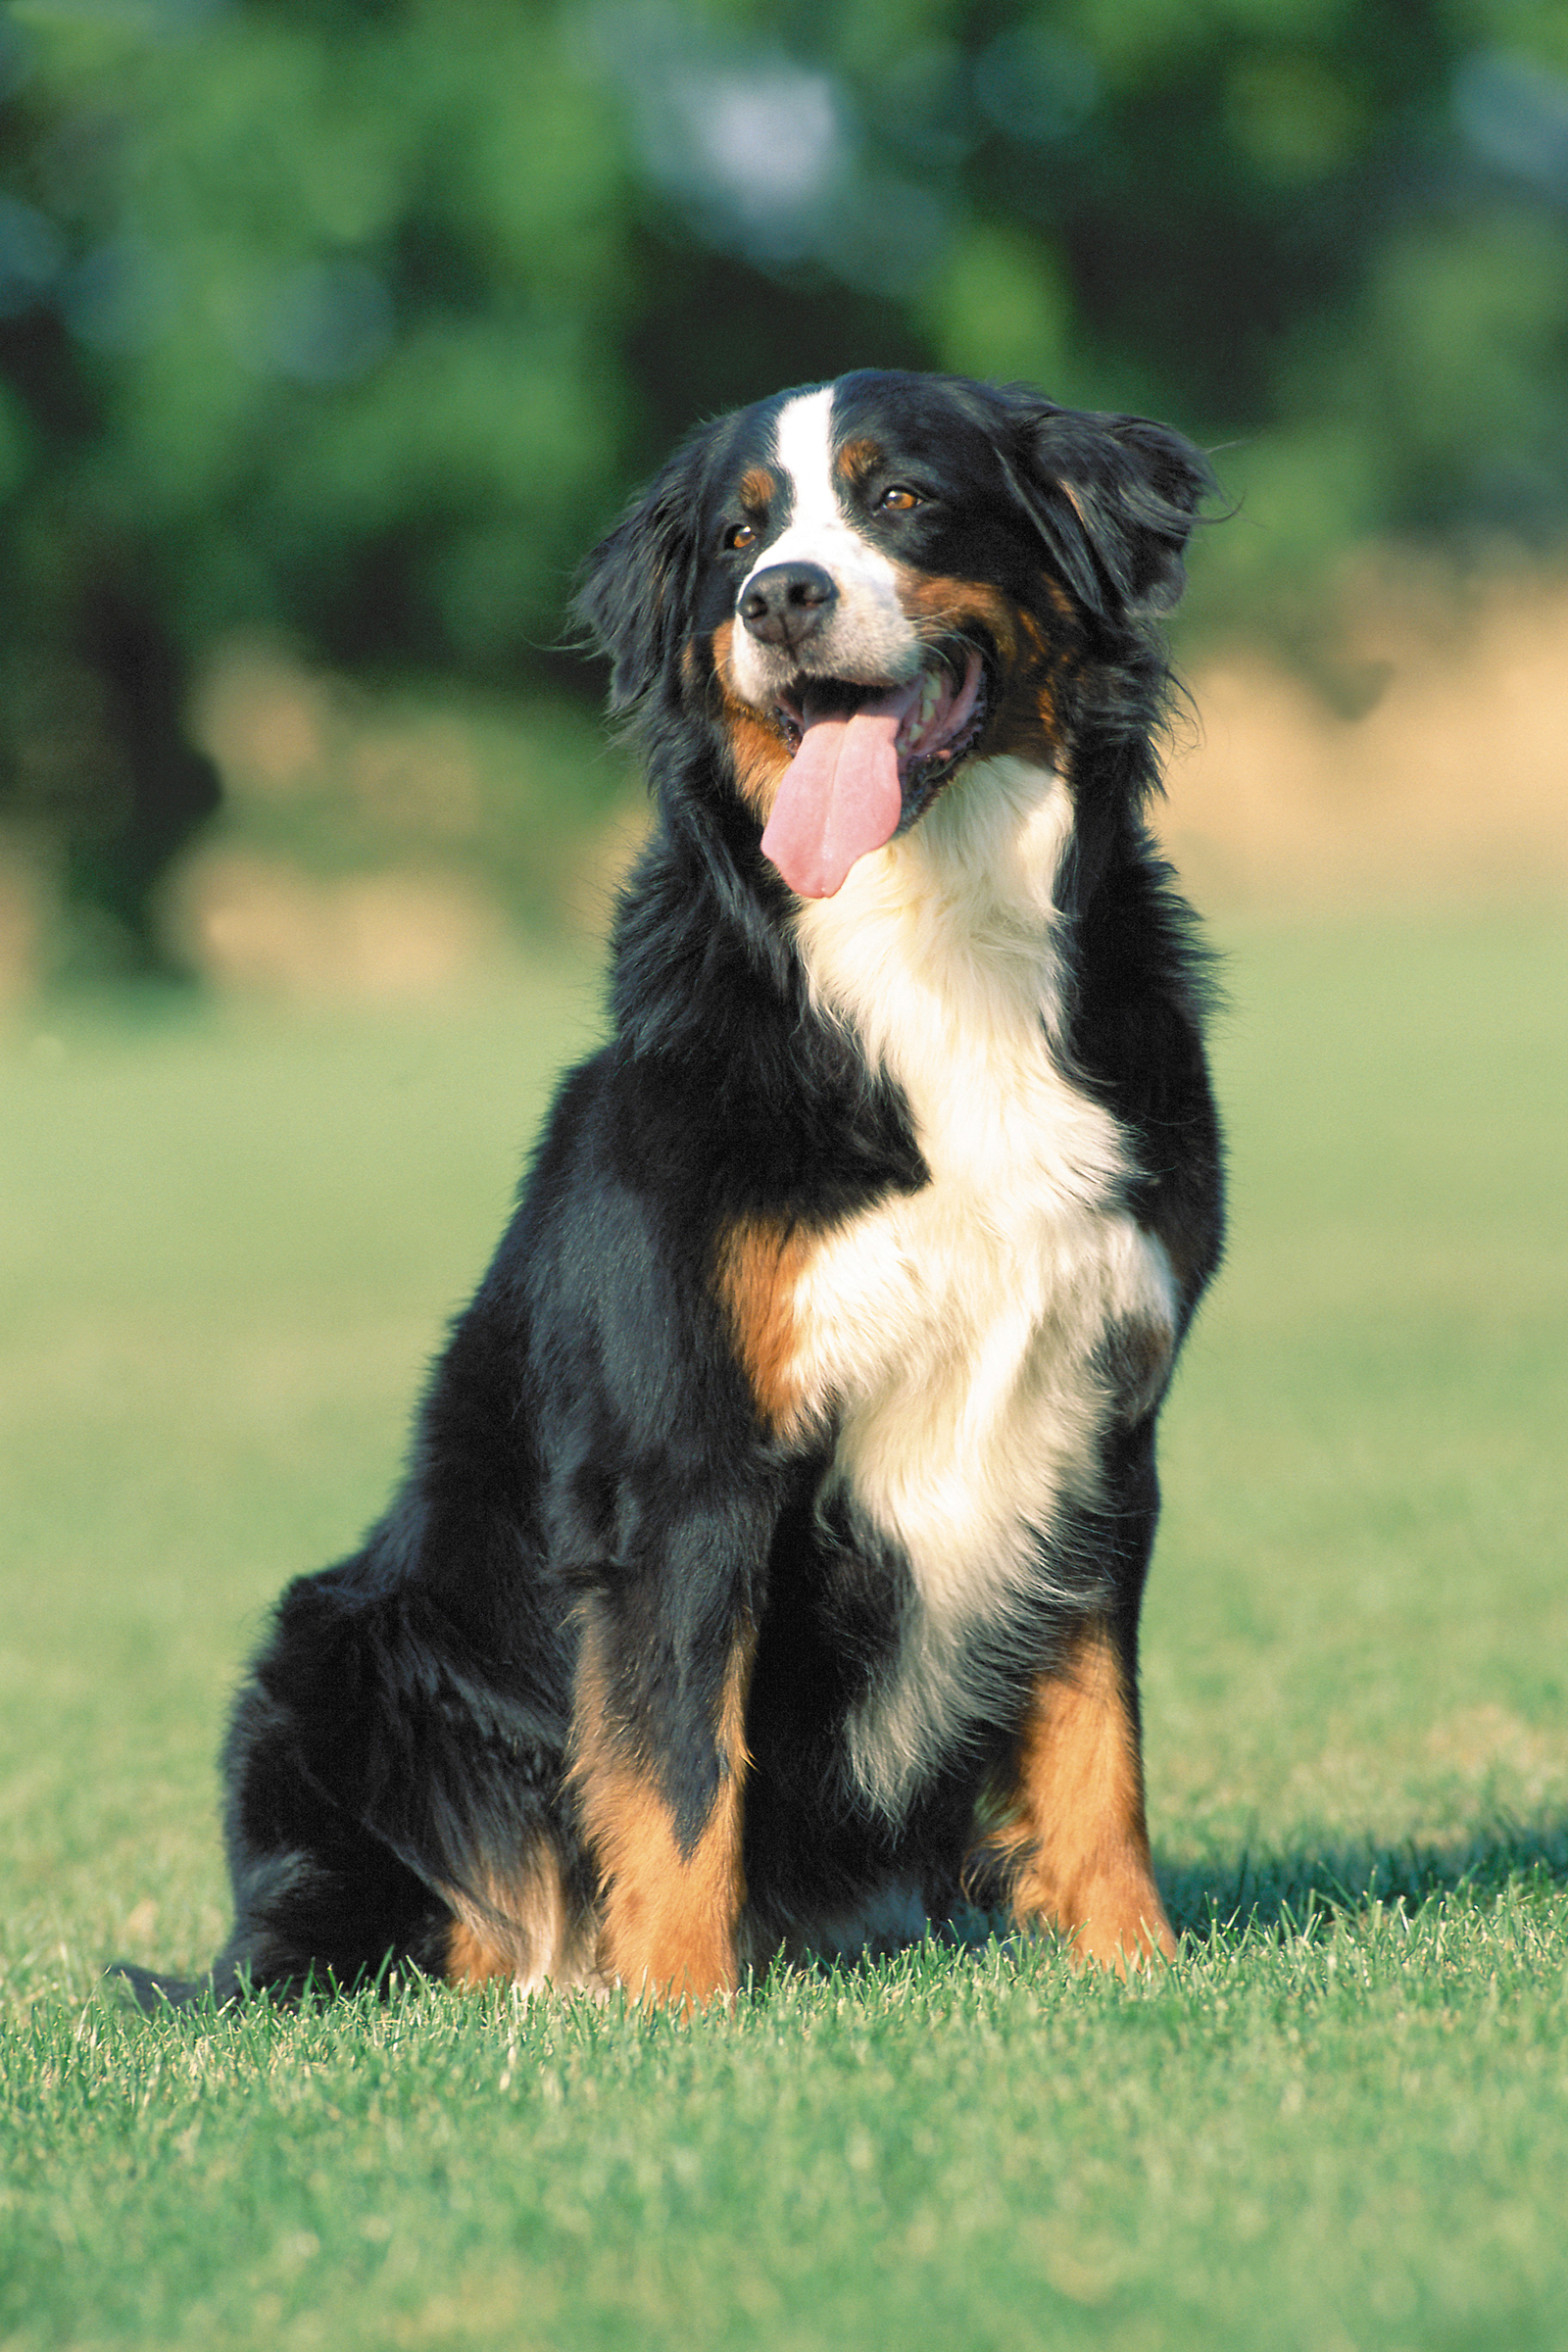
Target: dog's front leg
[(1073, 1810), (658, 1743)]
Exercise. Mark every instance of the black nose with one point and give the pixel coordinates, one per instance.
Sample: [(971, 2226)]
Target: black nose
[(788, 603)]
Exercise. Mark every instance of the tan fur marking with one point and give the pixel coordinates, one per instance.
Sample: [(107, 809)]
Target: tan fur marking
[(857, 457), (759, 753), (670, 1920), (471, 1959), (945, 603), (1073, 1826), (758, 1265), (523, 1927), (758, 487), (1023, 720), (1027, 721)]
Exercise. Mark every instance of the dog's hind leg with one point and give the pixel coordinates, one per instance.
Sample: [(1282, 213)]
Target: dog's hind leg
[(658, 1771), (317, 1895)]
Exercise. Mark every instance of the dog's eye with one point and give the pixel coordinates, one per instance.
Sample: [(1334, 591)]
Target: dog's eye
[(740, 534), (899, 500)]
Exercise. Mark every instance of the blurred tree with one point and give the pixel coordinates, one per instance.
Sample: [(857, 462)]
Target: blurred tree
[(355, 318), (308, 316)]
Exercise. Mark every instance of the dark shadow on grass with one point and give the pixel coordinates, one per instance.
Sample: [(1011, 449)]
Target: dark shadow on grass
[(1283, 1892), (1274, 1891)]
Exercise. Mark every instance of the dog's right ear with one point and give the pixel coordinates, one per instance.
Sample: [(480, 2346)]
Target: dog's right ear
[(637, 585)]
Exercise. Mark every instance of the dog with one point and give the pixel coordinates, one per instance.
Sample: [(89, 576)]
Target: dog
[(766, 1573)]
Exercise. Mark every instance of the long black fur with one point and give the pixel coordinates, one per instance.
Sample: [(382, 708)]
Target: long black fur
[(589, 1446)]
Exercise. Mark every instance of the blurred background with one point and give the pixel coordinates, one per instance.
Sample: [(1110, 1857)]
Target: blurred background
[(333, 333)]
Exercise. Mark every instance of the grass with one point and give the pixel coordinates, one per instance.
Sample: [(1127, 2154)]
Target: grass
[(1339, 2120)]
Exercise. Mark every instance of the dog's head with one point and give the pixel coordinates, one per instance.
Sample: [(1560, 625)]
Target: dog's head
[(865, 585)]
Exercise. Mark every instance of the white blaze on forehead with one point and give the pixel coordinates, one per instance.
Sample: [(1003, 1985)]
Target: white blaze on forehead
[(803, 443), (869, 637)]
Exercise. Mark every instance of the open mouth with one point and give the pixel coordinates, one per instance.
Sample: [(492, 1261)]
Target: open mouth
[(868, 761)]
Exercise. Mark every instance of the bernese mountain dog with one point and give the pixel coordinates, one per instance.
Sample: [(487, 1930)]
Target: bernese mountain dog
[(766, 1572)]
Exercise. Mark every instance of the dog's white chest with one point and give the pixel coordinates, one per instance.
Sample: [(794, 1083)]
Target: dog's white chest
[(958, 1334)]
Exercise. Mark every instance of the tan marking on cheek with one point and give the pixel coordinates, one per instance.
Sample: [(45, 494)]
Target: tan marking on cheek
[(759, 753), (1073, 1832), (670, 1918), (759, 1264), (1024, 717), (940, 605)]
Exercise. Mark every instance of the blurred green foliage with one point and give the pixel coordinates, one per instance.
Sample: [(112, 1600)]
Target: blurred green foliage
[(355, 319)]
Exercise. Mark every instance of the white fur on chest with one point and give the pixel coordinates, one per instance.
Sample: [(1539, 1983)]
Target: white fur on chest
[(958, 1333)]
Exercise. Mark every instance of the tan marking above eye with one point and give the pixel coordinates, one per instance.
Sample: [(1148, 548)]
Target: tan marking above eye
[(859, 460)]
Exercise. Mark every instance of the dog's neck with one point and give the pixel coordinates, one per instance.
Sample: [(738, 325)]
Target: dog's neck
[(956, 921)]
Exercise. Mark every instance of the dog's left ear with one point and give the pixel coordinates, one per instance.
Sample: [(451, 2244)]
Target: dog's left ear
[(637, 585), (1114, 499)]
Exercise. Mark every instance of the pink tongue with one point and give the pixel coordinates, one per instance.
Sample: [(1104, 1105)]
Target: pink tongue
[(840, 795)]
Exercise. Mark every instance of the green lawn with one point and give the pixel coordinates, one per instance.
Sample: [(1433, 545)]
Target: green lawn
[(1341, 2120)]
